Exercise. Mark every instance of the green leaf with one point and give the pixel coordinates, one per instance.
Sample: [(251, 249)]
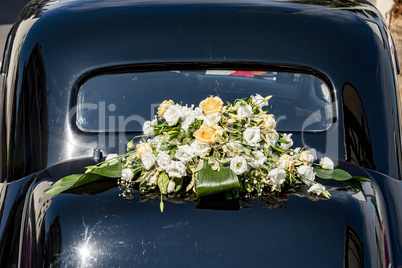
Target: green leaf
[(111, 171), (332, 174), (163, 181), (63, 184), (359, 178), (72, 181), (211, 182)]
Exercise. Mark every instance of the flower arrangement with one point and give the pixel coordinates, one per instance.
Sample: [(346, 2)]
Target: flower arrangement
[(210, 149)]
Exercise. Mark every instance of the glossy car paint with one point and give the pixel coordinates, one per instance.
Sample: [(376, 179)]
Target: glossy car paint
[(56, 45)]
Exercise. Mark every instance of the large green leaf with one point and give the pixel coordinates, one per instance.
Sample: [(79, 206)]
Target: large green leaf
[(332, 174), (210, 181), (72, 181), (111, 171)]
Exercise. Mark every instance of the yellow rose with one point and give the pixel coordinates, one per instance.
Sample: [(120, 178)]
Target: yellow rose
[(286, 161), (142, 147), (163, 107), (206, 134), (211, 105), (269, 121)]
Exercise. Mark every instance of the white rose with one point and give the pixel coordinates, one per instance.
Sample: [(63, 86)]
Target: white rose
[(163, 160), (277, 176), (327, 163), (184, 153), (235, 145), (261, 158), (286, 146), (238, 164), (316, 188), (171, 186), (173, 114), (112, 159), (197, 111), (127, 174), (259, 101), (148, 160), (307, 174), (252, 136), (187, 122), (200, 149), (186, 111), (214, 118), (244, 112), (176, 169), (273, 137), (148, 128)]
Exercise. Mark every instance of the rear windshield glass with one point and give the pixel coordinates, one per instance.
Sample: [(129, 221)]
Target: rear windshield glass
[(123, 102)]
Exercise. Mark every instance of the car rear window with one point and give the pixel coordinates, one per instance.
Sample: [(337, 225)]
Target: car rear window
[(123, 102)]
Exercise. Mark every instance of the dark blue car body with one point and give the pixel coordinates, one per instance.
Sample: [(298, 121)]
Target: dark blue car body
[(55, 46)]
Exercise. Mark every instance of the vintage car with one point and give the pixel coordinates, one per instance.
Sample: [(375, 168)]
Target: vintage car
[(81, 77)]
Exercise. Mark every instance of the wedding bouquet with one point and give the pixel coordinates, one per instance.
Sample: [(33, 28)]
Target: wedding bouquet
[(210, 149)]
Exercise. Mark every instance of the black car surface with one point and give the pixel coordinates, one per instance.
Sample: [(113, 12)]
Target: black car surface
[(83, 75)]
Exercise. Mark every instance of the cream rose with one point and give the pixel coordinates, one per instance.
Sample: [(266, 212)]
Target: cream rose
[(286, 161), (163, 107), (143, 147), (206, 134), (269, 121), (211, 105), (306, 157)]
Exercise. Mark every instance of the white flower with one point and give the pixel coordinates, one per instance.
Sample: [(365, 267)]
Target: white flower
[(200, 149), (273, 137), (235, 145), (214, 118), (317, 189), (148, 128), (244, 112), (171, 186), (127, 174), (173, 114), (259, 101), (148, 160), (130, 146), (286, 146), (112, 159), (186, 111), (238, 164), (187, 122), (184, 153), (277, 176), (307, 174), (327, 163), (252, 136), (163, 160), (176, 169), (261, 158), (158, 140)]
